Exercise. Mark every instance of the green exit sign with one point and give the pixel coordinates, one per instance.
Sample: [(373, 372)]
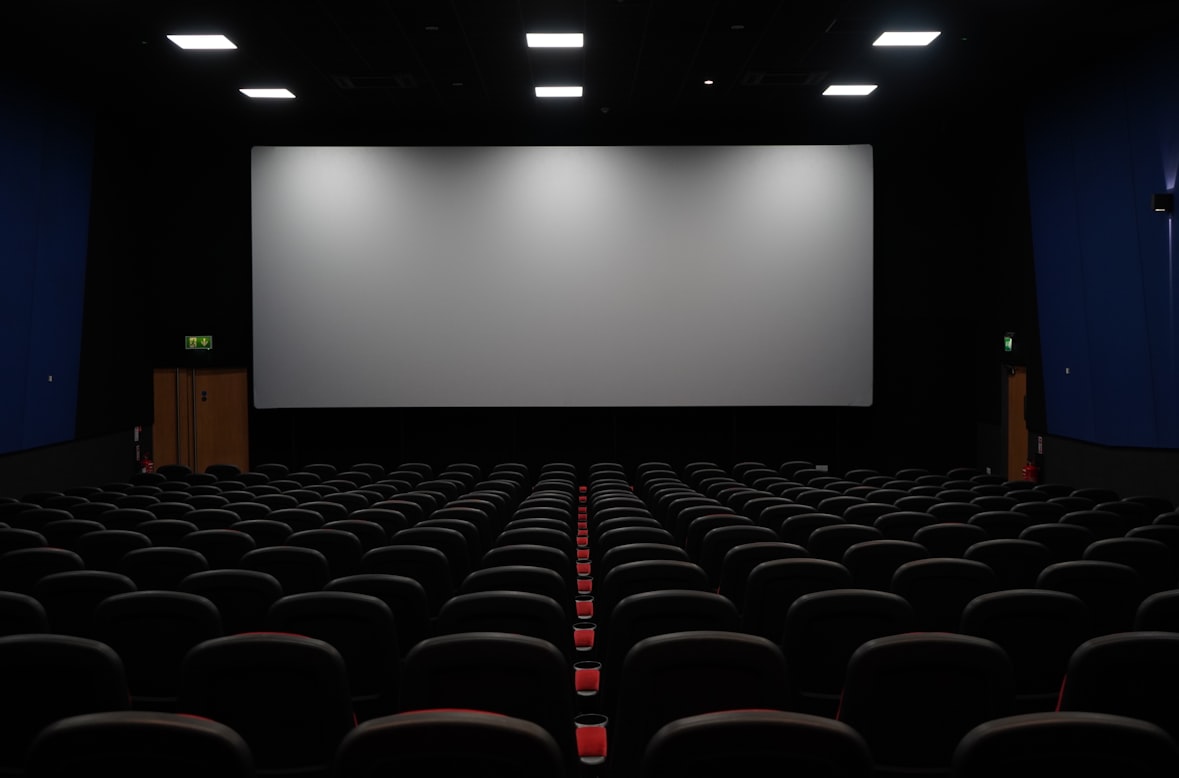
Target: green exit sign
[(1008, 343), (198, 342)]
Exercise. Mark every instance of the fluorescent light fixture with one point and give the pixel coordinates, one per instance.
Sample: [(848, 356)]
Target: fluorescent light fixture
[(273, 94), (558, 91), (849, 90), (708, 82), (555, 40), (203, 42), (897, 38)]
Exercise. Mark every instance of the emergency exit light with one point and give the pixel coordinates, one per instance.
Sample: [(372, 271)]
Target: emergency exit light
[(1008, 342), (198, 342)]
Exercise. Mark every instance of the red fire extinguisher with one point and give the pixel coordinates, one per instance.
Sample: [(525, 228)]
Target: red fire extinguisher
[(146, 465), (1031, 473)]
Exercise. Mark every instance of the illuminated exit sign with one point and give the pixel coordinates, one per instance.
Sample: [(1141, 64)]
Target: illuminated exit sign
[(198, 342)]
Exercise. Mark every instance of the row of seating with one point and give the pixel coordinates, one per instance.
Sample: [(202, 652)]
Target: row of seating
[(910, 699), (866, 561), (145, 652), (593, 510), (746, 742)]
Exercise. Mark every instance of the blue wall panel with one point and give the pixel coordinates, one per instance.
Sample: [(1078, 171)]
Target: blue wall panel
[(1059, 280), (55, 333), (46, 153), (1154, 148), (1123, 397), (20, 159), (1104, 263)]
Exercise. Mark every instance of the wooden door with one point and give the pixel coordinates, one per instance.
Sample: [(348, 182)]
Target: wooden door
[(201, 417), (1017, 426), (221, 433), (171, 432)]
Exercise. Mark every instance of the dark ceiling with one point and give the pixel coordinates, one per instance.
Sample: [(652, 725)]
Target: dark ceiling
[(365, 68)]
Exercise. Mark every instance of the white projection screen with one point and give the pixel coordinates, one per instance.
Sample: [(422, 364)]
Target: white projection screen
[(583, 276)]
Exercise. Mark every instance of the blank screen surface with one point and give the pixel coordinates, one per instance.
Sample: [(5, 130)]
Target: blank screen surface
[(551, 276)]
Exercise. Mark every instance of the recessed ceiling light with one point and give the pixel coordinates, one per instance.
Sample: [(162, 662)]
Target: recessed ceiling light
[(555, 40), (906, 38), (849, 90), (558, 91), (202, 42), (708, 82), (271, 94)]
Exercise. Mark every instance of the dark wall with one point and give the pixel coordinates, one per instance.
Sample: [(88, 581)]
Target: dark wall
[(952, 273), (1127, 471), (85, 462), (114, 391), (949, 270)]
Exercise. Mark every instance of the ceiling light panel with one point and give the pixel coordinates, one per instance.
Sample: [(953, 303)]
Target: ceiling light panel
[(268, 93), (898, 38), (849, 90), (558, 91), (203, 42), (555, 40)]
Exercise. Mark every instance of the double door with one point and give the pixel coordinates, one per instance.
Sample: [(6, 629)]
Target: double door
[(201, 417)]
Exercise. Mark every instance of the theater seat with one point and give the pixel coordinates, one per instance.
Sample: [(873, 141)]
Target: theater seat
[(152, 631), (1112, 591), (823, 630), (161, 567), (21, 614), (242, 597), (756, 743), (136, 744), (740, 560), (1016, 563), (773, 587), (405, 597), (21, 569), (433, 743), (1039, 629), (1034, 745), (515, 675), (51, 677), (286, 695), (298, 569), (669, 677), (70, 598), (1128, 674), (873, 562), (634, 577), (361, 628), (660, 612), (717, 542), (520, 613), (1151, 559), (939, 589), (523, 578), (914, 696)]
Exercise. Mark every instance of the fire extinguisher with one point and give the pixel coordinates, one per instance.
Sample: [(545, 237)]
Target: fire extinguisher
[(146, 465), (1031, 472)]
